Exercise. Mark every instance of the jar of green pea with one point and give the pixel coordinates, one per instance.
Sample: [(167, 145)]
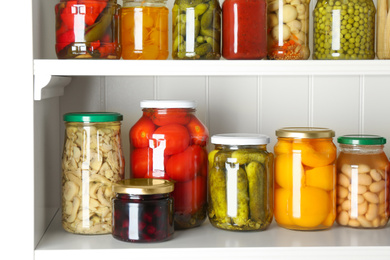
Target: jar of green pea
[(344, 30)]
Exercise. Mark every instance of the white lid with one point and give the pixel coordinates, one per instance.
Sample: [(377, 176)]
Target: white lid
[(167, 103), (240, 139)]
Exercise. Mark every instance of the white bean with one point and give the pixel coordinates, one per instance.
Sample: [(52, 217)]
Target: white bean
[(346, 205), (353, 223), (343, 218), (364, 222), (377, 186), (343, 180), (346, 169), (342, 192), (362, 208), (371, 197), (375, 175), (372, 212), (364, 179), (363, 168)]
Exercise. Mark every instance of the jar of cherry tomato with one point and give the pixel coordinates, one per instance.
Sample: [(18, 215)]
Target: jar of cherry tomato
[(144, 30), (362, 182), (244, 29), (169, 142), (240, 182), (87, 29), (305, 183), (142, 210), (288, 29)]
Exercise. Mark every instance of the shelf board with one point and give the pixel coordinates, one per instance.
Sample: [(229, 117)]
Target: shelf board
[(207, 242), (208, 67)]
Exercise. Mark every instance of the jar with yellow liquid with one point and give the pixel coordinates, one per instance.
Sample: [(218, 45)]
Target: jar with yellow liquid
[(305, 170)]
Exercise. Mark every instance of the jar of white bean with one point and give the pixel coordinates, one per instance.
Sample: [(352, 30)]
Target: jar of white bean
[(362, 182)]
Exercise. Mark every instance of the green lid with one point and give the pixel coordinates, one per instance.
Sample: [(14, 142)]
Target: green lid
[(91, 117), (361, 139)]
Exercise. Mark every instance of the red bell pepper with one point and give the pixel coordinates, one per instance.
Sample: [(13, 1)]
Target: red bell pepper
[(68, 13)]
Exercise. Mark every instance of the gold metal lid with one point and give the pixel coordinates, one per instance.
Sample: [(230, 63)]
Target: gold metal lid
[(143, 186), (305, 132)]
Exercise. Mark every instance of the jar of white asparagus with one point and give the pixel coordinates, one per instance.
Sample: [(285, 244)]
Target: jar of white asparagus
[(383, 30)]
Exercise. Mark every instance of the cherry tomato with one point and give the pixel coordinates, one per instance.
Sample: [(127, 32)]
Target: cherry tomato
[(141, 162), (175, 137), (190, 196), (141, 132), (198, 132), (163, 117)]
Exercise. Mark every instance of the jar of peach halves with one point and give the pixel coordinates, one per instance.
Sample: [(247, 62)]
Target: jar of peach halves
[(305, 170)]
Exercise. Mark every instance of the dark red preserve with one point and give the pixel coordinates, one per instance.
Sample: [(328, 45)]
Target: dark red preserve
[(143, 210)]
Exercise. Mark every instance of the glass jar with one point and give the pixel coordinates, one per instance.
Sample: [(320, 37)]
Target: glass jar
[(144, 30), (305, 171), (344, 30), (288, 29), (87, 29), (196, 29), (169, 142), (240, 182), (362, 182), (92, 161), (244, 29), (142, 210), (382, 38)]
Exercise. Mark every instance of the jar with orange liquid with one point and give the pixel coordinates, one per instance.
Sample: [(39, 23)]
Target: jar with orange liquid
[(305, 170), (144, 30), (362, 182)]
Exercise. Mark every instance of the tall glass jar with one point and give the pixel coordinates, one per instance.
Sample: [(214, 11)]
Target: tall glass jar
[(288, 29), (169, 142), (144, 30), (382, 38), (92, 161), (196, 26), (240, 182), (305, 183), (362, 182), (244, 29), (344, 30), (87, 29)]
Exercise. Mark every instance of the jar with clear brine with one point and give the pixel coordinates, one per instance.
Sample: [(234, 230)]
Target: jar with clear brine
[(92, 161), (362, 182), (305, 178), (196, 30), (144, 30), (288, 29), (240, 182), (344, 30), (169, 142), (87, 29)]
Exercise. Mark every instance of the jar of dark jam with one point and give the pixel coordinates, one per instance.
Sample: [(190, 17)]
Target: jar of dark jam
[(143, 210)]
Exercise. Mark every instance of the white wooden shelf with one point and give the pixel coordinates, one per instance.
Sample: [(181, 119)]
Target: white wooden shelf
[(207, 242)]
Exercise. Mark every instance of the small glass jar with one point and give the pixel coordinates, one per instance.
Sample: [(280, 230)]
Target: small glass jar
[(362, 182), (143, 210), (144, 30), (244, 29), (87, 29), (169, 142), (240, 182), (344, 30), (305, 178), (92, 161), (196, 29), (288, 29)]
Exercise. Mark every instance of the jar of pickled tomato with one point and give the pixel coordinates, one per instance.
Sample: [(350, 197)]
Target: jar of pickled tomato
[(169, 142), (144, 30), (240, 187), (87, 29), (288, 29), (244, 29), (142, 210), (92, 161), (305, 183), (196, 28), (362, 182)]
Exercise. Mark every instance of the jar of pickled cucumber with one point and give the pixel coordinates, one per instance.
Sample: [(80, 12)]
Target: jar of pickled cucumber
[(305, 183), (144, 30), (87, 29), (288, 29), (196, 29), (362, 182), (344, 30), (92, 161), (240, 182)]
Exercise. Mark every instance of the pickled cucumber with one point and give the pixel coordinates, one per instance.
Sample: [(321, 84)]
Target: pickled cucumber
[(257, 190), (217, 187), (242, 199), (245, 156)]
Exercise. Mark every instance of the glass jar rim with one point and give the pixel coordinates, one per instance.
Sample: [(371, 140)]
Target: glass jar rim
[(92, 117), (167, 103), (143, 186), (240, 139), (305, 132), (361, 139)]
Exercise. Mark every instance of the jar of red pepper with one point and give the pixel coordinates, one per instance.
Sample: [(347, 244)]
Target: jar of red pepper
[(87, 29), (169, 142), (244, 29)]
